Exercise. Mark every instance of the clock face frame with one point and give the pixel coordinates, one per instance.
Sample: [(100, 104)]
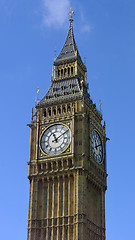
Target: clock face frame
[(97, 146), (55, 139)]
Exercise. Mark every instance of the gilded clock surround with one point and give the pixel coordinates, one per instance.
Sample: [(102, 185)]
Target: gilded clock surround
[(68, 148), (67, 191)]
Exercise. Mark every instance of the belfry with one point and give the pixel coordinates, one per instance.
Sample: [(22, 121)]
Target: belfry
[(67, 158)]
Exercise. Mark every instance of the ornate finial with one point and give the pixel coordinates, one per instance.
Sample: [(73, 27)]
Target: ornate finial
[(100, 104), (53, 68), (32, 115), (85, 61), (86, 75), (55, 51), (71, 14), (36, 99)]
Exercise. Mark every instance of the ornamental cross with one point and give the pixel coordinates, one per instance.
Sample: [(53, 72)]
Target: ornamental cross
[(71, 13)]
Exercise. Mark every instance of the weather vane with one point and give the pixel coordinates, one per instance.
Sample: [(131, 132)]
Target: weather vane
[(71, 13)]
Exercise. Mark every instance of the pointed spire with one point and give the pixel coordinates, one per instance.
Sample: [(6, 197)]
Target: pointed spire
[(69, 51)]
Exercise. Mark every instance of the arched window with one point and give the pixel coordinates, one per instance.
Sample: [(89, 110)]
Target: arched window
[(65, 72), (54, 111), (61, 72), (68, 71), (59, 110), (69, 108), (71, 70), (64, 109), (49, 112), (45, 113), (58, 73)]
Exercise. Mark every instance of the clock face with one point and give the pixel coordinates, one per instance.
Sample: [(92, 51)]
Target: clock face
[(97, 147), (55, 139)]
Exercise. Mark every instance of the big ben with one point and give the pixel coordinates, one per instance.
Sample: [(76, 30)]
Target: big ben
[(67, 159)]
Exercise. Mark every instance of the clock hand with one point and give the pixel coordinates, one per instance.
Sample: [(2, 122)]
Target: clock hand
[(98, 146), (60, 136), (55, 139)]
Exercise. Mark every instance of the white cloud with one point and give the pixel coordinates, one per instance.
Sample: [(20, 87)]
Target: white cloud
[(55, 12)]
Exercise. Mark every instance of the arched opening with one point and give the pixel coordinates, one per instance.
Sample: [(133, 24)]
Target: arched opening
[(45, 113), (49, 112), (68, 71), (61, 72), (54, 111), (69, 108), (59, 110), (65, 72), (64, 109), (71, 70)]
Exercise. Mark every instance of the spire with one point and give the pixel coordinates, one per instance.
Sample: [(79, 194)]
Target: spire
[(69, 51)]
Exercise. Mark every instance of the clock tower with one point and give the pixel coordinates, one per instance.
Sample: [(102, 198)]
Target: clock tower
[(67, 159)]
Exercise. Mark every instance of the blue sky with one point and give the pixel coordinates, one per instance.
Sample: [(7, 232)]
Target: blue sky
[(105, 33)]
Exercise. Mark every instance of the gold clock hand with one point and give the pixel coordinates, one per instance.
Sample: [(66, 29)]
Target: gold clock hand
[(60, 136)]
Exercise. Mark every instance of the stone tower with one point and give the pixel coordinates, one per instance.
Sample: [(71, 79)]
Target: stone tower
[(67, 159)]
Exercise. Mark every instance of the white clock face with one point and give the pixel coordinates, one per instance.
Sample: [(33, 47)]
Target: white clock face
[(96, 145), (55, 139)]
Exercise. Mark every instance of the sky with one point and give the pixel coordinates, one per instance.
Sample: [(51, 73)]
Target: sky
[(30, 30)]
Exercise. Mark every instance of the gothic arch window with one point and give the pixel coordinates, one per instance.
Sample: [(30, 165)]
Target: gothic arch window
[(64, 109), (65, 72), (69, 108), (61, 72), (54, 111), (45, 113), (68, 71), (49, 112), (71, 70), (59, 110)]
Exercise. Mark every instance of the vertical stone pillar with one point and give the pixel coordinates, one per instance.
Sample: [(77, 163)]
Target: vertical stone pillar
[(64, 203), (58, 209), (30, 214), (43, 209), (53, 206), (103, 213), (75, 208), (35, 208), (48, 206), (69, 205)]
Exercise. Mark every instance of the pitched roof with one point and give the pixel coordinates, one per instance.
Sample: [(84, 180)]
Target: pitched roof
[(64, 90), (69, 51)]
